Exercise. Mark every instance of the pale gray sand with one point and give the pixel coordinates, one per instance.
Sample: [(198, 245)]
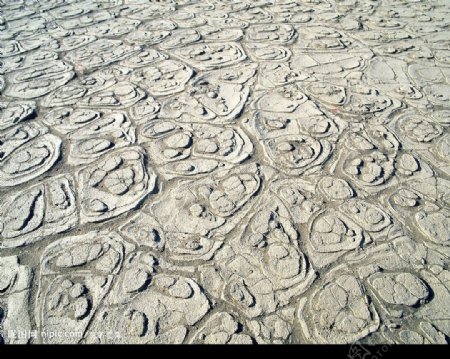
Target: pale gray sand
[(224, 171)]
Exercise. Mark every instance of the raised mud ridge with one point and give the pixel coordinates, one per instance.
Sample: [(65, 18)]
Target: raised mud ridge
[(216, 171)]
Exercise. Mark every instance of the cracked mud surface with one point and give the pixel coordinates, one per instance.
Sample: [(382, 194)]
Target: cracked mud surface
[(224, 171)]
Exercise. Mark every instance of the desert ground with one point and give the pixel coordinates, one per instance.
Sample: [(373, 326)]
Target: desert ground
[(228, 172)]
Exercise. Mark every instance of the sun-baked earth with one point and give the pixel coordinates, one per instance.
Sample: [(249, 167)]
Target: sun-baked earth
[(224, 171)]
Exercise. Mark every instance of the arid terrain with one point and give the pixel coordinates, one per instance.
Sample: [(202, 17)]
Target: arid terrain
[(217, 171)]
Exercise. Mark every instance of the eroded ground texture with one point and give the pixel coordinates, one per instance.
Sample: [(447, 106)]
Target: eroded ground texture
[(224, 171)]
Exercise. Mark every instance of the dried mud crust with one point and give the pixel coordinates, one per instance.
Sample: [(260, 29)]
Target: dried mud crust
[(232, 172)]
